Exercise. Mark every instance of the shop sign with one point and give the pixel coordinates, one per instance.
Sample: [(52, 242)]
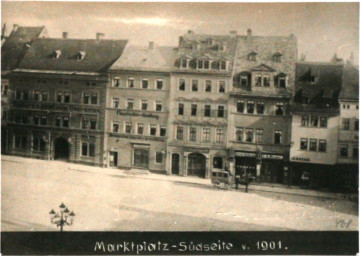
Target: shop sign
[(198, 150), (246, 154), (271, 156), (135, 136), (51, 106), (133, 113), (304, 159)]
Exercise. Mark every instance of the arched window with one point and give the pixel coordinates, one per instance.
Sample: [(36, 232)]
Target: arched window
[(217, 162)]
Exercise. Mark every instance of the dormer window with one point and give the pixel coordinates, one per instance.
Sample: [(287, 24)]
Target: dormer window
[(184, 63), (314, 79), (277, 57), (210, 41), (221, 48), (203, 64), (56, 54), (282, 80), (262, 80), (223, 65), (252, 56), (80, 55)]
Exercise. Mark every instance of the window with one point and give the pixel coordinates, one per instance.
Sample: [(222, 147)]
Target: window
[(305, 121), (322, 145), (17, 118), (43, 120), (163, 131), (182, 84), (239, 134), (144, 83), (144, 104), (240, 106), (179, 135), (217, 162), (88, 149), (282, 82), (356, 106), (219, 135), (244, 81), (207, 110), (20, 141), (180, 109), (159, 157), (220, 111), (130, 104), (249, 135), (116, 82), (356, 124), (223, 65), (26, 95), (314, 79), (128, 127), (58, 121), (115, 102), (24, 119), (140, 128), (279, 109), (314, 121), (323, 121), (252, 56), (304, 144), (94, 99), (278, 137), (345, 124), (266, 80), (59, 97), (277, 57), (344, 150), (66, 97), (66, 121), (259, 135), (184, 63), (194, 85), (208, 86), (260, 107), (355, 151), (36, 119), (38, 144), (194, 109), (159, 84), (206, 134), (258, 79), (86, 98), (313, 144), (158, 106), (250, 107), (84, 123), (203, 64), (222, 87), (18, 95), (130, 82), (93, 124), (5, 90), (153, 130), (115, 127), (192, 134), (36, 95), (44, 96)]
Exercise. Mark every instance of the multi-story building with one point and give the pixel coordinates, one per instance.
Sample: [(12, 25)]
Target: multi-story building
[(58, 105), (348, 132), (198, 108), (13, 50), (259, 118), (315, 120), (137, 109)]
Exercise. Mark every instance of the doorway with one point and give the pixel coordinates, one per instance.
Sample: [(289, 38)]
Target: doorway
[(197, 165), (61, 149), (175, 164), (113, 159)]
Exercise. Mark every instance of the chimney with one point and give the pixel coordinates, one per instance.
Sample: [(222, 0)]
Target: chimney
[(190, 32), (352, 59), (15, 27), (3, 31), (99, 36), (65, 35), (233, 32), (181, 40), (249, 32), (151, 45)]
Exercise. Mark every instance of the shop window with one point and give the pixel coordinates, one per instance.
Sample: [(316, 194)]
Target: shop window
[(130, 82), (128, 127), (260, 108), (115, 102), (140, 128), (194, 85), (116, 82), (153, 129), (240, 106), (182, 85), (356, 124), (249, 135), (239, 134), (192, 134), (206, 134), (305, 121), (219, 135), (93, 124), (220, 112), (304, 144), (259, 135), (144, 104), (88, 149), (179, 135), (279, 109), (278, 137), (20, 141), (313, 145), (208, 86), (222, 87), (355, 151), (322, 145), (94, 99), (159, 157), (207, 110), (344, 150), (345, 124), (158, 106), (141, 157), (38, 144), (323, 121), (159, 83), (43, 120), (180, 109), (314, 121), (144, 83), (250, 107), (130, 104), (194, 109), (163, 131), (115, 127), (217, 162)]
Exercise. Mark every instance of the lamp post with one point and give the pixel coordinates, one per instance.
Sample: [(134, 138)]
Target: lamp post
[(66, 217)]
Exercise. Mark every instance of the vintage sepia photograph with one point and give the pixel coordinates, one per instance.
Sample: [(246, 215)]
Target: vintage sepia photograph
[(170, 116)]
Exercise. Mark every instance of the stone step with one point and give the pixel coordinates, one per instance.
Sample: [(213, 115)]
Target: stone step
[(137, 171)]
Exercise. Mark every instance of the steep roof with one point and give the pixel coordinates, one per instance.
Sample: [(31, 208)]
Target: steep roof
[(99, 54), (350, 83), (15, 46), (158, 58)]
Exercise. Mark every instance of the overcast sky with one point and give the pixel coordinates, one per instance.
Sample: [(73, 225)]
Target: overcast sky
[(321, 28)]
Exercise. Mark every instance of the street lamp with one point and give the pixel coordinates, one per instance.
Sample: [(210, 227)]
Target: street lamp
[(66, 217)]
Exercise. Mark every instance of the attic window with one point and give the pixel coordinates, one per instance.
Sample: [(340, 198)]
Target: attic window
[(184, 63), (56, 54), (277, 57), (210, 41), (223, 65), (252, 56), (203, 64), (80, 55), (314, 79), (221, 48)]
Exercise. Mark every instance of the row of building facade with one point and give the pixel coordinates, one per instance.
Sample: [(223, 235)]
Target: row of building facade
[(241, 102)]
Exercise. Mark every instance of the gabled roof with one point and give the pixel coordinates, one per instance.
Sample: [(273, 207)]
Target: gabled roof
[(158, 58), (263, 67), (99, 54), (16, 45), (350, 83)]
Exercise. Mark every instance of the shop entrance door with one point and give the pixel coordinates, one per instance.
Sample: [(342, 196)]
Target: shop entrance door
[(175, 164), (197, 165), (61, 149), (141, 157), (113, 159)]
